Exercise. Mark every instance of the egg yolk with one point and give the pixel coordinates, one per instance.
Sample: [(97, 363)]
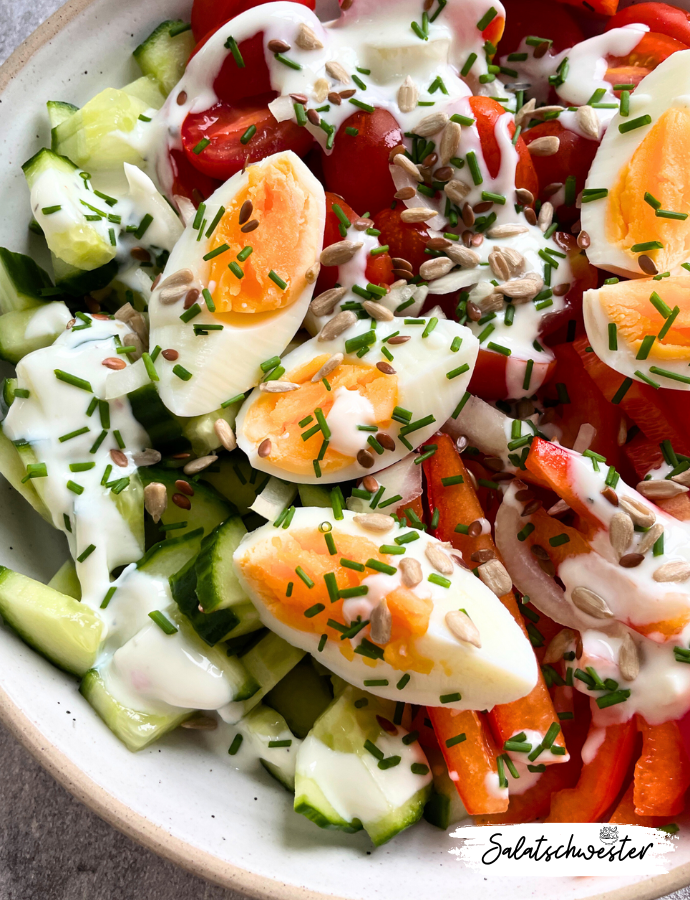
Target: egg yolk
[(284, 242), (661, 167), (628, 305), (277, 416), (272, 565)]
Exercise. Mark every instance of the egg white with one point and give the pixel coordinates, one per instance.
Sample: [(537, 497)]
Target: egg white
[(421, 367), (224, 363), (503, 670)]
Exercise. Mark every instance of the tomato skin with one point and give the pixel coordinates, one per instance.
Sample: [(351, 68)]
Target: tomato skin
[(661, 18), (190, 182), (574, 157), (208, 15), (224, 125), (379, 268), (652, 50), (406, 240), (487, 112), (585, 276), (358, 167), (542, 17), (489, 379)]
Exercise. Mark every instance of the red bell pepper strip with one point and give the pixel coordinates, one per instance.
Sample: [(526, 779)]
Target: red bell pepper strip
[(455, 504), (471, 762), (662, 773), (600, 780), (551, 463), (626, 814)]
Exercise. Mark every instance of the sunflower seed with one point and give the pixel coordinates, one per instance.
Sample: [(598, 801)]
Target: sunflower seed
[(677, 572), (339, 253), (177, 279), (450, 143), (410, 571), (147, 457), (332, 363), (641, 514), (375, 522), (325, 303), (469, 259), (438, 559), (378, 311), (587, 121), (380, 623), (495, 576), (408, 94), (435, 268), (335, 70), (506, 262), (431, 124), (225, 434), (321, 89), (521, 289), (306, 39), (629, 658), (590, 603), (621, 532), (542, 111), (545, 217), (547, 145), (337, 325), (558, 508), (278, 387), (525, 112), (417, 214), (456, 190), (683, 478), (506, 231), (650, 538), (198, 465), (660, 489), (155, 500), (463, 628), (405, 163), (558, 645), (200, 723)]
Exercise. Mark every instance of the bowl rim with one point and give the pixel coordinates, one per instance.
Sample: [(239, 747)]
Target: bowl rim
[(102, 802)]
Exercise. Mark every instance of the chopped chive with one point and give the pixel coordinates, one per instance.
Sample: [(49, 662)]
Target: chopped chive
[(150, 368), (72, 434), (655, 370), (381, 567), (668, 214), (305, 578), (622, 390), (73, 380), (458, 739), (216, 252), (639, 122), (216, 219), (231, 45), (439, 580), (313, 610), (248, 134), (86, 553), (236, 270), (668, 323), (391, 761), (363, 106), (276, 279), (473, 165), (290, 63), (81, 467), (450, 698), (182, 373), (647, 245)]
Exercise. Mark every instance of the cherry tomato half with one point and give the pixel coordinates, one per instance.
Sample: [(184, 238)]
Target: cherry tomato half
[(235, 83), (406, 240), (538, 17), (652, 50), (207, 15), (574, 157), (358, 167), (190, 182), (487, 112), (212, 140), (661, 18)]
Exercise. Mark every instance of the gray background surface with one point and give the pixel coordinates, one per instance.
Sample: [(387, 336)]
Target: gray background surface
[(52, 847)]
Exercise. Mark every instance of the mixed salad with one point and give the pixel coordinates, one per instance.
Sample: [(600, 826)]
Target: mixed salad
[(359, 391)]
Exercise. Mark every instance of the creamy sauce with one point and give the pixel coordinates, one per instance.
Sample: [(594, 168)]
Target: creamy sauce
[(349, 410)]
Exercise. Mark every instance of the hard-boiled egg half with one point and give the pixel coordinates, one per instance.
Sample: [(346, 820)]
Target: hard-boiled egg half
[(369, 600), (642, 327), (358, 402), (637, 196), (238, 283)]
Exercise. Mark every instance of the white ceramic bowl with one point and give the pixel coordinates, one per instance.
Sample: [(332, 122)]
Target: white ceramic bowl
[(179, 797)]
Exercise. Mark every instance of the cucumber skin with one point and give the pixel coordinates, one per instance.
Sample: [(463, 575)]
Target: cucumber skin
[(13, 470), (13, 345), (21, 281), (217, 585), (155, 418), (72, 631), (156, 55), (209, 508), (211, 627), (300, 697), (45, 159)]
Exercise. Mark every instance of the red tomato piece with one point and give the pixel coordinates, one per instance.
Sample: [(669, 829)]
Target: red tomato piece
[(188, 181), (574, 157), (235, 83), (223, 126), (554, 325), (487, 112), (490, 377), (652, 50), (538, 17), (602, 7), (661, 18), (358, 167), (207, 15), (406, 240)]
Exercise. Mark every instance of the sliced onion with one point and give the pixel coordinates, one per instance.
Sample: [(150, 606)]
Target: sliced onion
[(275, 497), (403, 477), (483, 425), (123, 381)]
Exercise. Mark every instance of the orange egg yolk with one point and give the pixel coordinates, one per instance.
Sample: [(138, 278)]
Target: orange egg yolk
[(628, 305), (277, 416), (661, 167), (284, 242), (271, 566)]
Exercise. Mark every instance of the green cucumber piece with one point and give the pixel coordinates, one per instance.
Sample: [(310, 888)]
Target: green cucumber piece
[(14, 343), (163, 428), (135, 729), (234, 477), (264, 726), (65, 580), (200, 431), (165, 52), (444, 807), (314, 495), (13, 469), (169, 556), (21, 281), (78, 282), (66, 632), (9, 386), (44, 161), (147, 90), (58, 112), (208, 507), (301, 697), (217, 585), (211, 627)]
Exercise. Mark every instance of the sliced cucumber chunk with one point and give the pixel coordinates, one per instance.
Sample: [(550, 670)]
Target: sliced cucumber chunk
[(208, 508), (168, 557), (200, 430), (13, 469), (341, 784), (263, 728), (165, 52), (163, 428), (26, 330), (234, 477), (135, 729), (65, 580), (314, 495), (301, 697), (147, 90), (217, 585), (21, 281), (211, 627), (444, 807), (77, 282), (59, 112), (60, 628), (9, 386)]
